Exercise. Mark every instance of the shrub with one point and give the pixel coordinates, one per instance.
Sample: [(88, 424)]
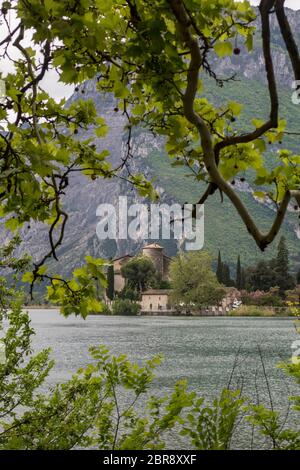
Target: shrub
[(139, 273), (87, 411), (252, 311), (106, 310), (261, 298), (164, 284), (193, 281), (128, 293), (125, 307)]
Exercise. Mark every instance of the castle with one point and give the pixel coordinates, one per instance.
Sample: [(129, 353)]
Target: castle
[(157, 301), (153, 251)]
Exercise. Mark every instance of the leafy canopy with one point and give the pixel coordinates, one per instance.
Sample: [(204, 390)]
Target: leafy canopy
[(139, 273), (193, 281), (89, 409), (152, 56)]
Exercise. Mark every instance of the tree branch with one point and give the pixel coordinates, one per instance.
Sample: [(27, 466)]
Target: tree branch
[(288, 37), (262, 240), (265, 7)]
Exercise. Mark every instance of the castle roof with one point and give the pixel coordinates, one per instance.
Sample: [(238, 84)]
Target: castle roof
[(121, 257), (155, 246), (157, 292)]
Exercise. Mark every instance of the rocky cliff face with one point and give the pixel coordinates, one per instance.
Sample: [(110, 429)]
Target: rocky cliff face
[(84, 195), (251, 65)]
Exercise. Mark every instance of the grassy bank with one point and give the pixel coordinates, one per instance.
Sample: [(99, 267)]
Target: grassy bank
[(255, 311)]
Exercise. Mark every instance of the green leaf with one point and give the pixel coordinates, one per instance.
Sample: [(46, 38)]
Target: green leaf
[(223, 49), (12, 224), (28, 277), (42, 269), (259, 194), (235, 107), (249, 42)]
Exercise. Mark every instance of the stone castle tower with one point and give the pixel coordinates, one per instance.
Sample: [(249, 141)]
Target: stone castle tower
[(153, 251)]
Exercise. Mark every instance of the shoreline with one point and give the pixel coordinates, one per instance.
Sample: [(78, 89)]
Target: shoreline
[(52, 307), (40, 307)]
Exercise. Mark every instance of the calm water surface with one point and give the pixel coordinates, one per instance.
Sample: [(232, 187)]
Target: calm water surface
[(202, 350), (206, 351)]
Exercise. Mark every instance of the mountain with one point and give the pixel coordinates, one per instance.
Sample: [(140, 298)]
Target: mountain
[(223, 228)]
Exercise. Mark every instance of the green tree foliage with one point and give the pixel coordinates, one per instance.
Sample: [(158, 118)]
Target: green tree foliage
[(293, 296), (77, 295), (238, 277), (86, 410), (211, 427), (261, 276), (193, 281), (298, 276), (152, 57), (282, 259), (272, 273), (223, 272), (163, 284), (139, 273), (281, 266), (106, 309), (128, 293), (219, 271), (243, 279), (125, 307), (263, 298), (39, 146), (269, 422), (226, 276)]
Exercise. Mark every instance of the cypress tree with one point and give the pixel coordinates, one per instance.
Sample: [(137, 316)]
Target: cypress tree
[(298, 276), (219, 271), (243, 279), (283, 278), (227, 281), (110, 291), (226, 274), (238, 279), (282, 259)]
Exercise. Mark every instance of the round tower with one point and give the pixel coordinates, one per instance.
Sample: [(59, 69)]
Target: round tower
[(155, 252)]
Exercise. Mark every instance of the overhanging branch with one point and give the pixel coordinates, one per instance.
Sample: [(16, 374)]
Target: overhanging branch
[(262, 240), (288, 37)]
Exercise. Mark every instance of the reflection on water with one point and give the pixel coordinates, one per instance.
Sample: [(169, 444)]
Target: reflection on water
[(203, 350)]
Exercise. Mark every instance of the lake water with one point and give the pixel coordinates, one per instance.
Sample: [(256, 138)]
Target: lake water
[(202, 350)]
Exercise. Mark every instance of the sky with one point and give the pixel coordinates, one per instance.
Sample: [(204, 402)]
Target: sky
[(294, 4), (58, 90)]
